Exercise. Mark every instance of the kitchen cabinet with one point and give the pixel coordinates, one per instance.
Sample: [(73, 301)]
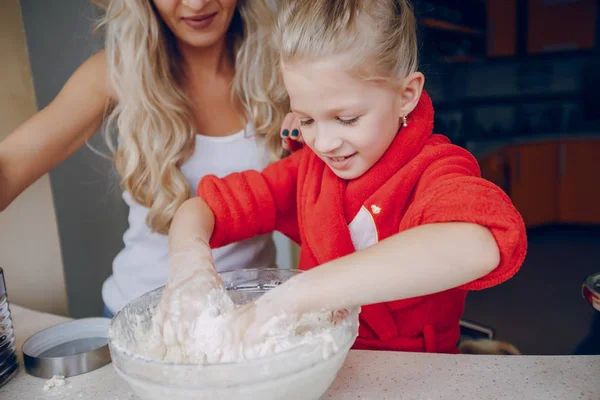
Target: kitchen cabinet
[(501, 28), (495, 169), (554, 181), (533, 185), (561, 25), (579, 185)]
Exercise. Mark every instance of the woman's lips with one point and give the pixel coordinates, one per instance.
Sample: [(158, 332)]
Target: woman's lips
[(200, 21)]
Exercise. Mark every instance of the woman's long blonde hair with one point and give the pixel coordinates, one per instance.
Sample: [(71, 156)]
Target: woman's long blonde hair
[(152, 114), (376, 38)]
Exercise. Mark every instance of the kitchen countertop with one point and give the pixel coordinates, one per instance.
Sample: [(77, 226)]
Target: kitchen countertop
[(365, 375)]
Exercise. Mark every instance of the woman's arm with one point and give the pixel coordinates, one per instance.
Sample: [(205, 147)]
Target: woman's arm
[(55, 132), (416, 262)]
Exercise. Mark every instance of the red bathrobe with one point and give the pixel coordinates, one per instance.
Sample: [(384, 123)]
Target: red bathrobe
[(421, 179)]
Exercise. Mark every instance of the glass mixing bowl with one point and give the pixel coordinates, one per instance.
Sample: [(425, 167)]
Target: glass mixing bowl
[(304, 372)]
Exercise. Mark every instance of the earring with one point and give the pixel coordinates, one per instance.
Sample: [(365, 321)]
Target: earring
[(404, 121)]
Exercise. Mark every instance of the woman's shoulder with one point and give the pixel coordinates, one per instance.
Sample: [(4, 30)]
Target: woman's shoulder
[(95, 71)]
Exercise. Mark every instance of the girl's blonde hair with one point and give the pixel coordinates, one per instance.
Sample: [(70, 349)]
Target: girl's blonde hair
[(152, 114), (376, 38)]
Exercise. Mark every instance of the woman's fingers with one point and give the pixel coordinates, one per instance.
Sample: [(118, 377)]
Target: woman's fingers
[(291, 136), (296, 132)]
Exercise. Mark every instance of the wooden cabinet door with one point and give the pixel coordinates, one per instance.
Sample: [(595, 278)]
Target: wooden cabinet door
[(494, 167), (579, 189), (533, 185)]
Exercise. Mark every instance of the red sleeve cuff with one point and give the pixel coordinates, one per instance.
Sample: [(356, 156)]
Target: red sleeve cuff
[(475, 200), (242, 204)]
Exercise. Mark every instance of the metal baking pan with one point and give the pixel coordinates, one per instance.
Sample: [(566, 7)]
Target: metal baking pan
[(68, 349)]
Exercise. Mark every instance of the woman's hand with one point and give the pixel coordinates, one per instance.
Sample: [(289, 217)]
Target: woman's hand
[(291, 136)]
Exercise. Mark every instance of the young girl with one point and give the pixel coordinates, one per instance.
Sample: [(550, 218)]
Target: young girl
[(389, 216)]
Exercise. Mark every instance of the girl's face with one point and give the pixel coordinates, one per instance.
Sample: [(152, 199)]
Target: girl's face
[(349, 123), (197, 23)]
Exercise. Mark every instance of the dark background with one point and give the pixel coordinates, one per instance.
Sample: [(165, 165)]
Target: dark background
[(515, 82)]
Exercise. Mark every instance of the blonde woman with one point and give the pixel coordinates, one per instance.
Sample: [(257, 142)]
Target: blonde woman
[(189, 87)]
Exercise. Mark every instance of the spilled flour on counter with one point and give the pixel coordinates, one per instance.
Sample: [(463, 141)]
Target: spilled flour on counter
[(55, 381)]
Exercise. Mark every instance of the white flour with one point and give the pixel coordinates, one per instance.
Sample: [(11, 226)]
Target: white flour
[(194, 324), (205, 341), (194, 327), (55, 381)]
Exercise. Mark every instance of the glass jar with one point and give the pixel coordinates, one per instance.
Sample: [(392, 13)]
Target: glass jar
[(8, 348), (591, 290)]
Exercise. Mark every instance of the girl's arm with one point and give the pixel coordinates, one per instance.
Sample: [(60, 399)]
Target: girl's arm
[(253, 203), (190, 253), (237, 207), (419, 261), (192, 226)]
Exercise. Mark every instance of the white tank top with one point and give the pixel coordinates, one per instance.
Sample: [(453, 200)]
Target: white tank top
[(142, 265)]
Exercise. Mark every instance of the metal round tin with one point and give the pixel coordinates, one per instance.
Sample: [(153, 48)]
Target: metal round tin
[(68, 349)]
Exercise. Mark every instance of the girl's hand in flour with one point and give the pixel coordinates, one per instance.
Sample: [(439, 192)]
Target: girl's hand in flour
[(248, 325), (291, 136), (191, 283), (191, 277), (241, 327)]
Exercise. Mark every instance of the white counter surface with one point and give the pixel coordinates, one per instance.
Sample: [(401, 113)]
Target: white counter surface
[(365, 375)]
